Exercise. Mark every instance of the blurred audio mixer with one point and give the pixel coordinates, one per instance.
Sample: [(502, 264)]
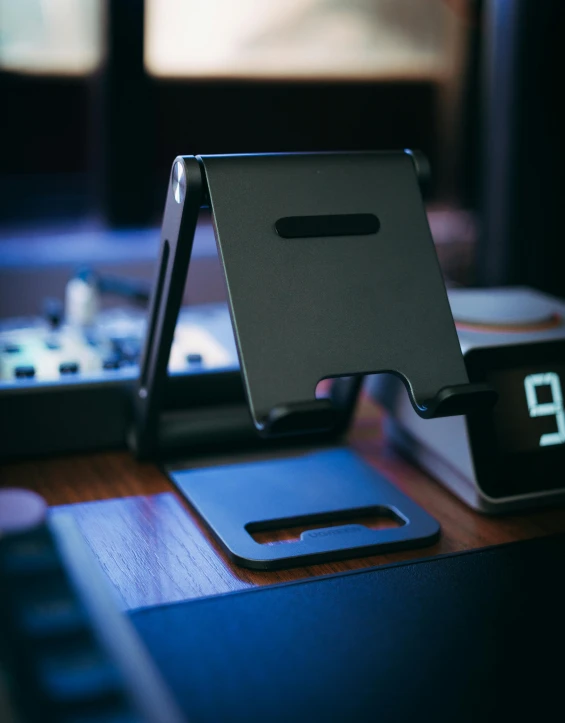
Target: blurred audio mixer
[(67, 387), (32, 350)]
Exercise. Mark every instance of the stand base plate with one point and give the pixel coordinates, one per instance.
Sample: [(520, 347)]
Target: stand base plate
[(239, 500)]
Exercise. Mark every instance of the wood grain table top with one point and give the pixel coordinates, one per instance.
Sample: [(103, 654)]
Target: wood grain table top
[(155, 548)]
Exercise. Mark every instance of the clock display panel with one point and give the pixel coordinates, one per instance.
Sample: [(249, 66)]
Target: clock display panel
[(518, 447), (529, 413)]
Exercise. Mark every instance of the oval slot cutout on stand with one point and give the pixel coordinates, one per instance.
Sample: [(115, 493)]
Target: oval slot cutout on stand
[(285, 531), (351, 224)]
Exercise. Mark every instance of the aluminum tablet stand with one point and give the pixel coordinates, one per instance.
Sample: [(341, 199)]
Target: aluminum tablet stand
[(331, 272)]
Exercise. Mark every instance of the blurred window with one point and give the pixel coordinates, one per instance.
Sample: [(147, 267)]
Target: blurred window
[(300, 39), (50, 37)]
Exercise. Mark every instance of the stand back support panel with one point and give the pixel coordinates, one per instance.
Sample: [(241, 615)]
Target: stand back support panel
[(331, 270)]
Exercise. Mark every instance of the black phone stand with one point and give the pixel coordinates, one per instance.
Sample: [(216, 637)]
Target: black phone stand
[(331, 272)]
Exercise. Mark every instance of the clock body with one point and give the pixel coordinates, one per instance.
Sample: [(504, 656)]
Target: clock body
[(513, 455)]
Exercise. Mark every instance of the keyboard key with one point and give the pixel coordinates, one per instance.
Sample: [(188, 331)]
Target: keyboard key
[(108, 713), (68, 368), (111, 362), (24, 372), (29, 554), (51, 612), (78, 673), (21, 511)]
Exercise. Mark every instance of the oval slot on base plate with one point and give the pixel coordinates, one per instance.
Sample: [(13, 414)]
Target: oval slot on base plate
[(285, 531)]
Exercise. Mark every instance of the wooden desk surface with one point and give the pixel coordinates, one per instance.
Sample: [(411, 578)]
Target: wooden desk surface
[(155, 549)]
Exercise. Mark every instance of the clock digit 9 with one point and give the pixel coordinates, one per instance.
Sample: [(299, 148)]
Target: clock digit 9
[(555, 407)]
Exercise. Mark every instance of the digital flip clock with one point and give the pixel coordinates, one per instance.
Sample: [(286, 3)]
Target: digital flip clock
[(513, 454)]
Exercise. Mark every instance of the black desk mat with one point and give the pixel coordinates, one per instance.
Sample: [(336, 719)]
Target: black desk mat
[(474, 636)]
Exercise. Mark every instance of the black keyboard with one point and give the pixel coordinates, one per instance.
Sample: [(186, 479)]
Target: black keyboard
[(66, 651)]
